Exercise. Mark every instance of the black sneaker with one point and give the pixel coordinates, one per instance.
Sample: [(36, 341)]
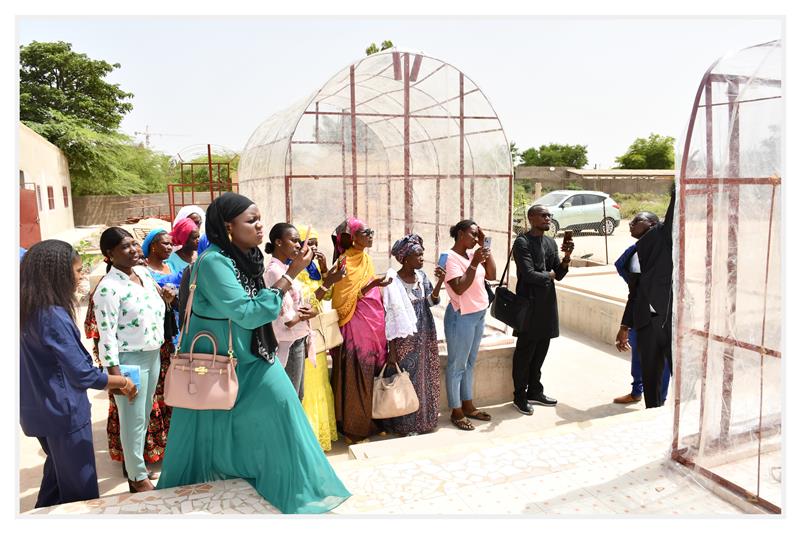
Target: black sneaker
[(543, 400), (523, 408)]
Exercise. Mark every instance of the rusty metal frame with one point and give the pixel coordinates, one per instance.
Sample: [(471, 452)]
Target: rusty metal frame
[(219, 185), (708, 186), (403, 67)]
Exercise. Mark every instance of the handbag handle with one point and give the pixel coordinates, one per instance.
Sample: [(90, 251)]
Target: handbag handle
[(210, 337)]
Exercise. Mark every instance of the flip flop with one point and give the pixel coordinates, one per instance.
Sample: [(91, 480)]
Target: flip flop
[(462, 423), (477, 414)]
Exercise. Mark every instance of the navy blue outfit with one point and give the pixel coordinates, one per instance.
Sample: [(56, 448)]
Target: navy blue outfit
[(55, 371), (637, 387)]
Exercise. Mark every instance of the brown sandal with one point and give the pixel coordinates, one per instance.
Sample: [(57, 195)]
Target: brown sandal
[(477, 414), (462, 423)]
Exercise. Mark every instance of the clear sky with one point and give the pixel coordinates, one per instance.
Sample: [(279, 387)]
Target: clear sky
[(599, 81)]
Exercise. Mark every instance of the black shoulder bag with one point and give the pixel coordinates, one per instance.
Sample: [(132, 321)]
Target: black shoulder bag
[(509, 308)]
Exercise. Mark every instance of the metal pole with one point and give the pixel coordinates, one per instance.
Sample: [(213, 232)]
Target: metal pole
[(461, 139), (354, 154), (407, 188), (210, 177), (605, 231)]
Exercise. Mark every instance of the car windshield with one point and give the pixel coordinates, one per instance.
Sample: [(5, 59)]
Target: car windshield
[(551, 199)]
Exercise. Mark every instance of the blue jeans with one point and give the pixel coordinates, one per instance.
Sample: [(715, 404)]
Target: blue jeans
[(636, 370), (463, 336)]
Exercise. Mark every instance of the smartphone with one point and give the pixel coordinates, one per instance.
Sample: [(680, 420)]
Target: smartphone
[(487, 243), (442, 259), (567, 235)]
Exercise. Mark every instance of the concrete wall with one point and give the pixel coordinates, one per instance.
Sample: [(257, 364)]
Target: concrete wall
[(109, 209), (560, 178), (44, 165)]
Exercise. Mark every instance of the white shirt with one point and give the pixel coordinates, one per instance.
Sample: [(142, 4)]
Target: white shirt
[(636, 268), (130, 317)]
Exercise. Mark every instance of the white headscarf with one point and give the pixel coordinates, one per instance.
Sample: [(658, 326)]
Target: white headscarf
[(187, 210)]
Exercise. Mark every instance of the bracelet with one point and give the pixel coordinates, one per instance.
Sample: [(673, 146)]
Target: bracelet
[(287, 278)]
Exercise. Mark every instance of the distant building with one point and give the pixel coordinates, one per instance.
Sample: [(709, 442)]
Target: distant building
[(45, 190)]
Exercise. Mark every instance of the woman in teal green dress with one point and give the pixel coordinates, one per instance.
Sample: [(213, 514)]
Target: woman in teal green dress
[(265, 439)]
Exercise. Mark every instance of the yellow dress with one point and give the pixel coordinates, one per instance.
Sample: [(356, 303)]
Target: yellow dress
[(318, 395)]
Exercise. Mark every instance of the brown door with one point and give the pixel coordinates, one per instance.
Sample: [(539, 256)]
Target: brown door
[(29, 232)]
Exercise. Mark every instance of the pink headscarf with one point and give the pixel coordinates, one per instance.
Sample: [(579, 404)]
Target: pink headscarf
[(180, 233), (349, 227)]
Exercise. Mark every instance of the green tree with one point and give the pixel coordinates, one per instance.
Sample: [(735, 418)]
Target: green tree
[(556, 155), (52, 77), (373, 48), (655, 152)]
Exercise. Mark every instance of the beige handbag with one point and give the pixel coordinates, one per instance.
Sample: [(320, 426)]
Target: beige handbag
[(201, 380), (325, 328), (393, 396)]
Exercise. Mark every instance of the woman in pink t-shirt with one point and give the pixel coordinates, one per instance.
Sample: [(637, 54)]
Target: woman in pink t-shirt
[(465, 273)]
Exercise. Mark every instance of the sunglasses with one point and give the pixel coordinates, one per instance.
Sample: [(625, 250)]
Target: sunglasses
[(368, 232)]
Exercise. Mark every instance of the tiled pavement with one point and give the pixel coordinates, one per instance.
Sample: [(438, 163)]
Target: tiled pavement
[(615, 466)]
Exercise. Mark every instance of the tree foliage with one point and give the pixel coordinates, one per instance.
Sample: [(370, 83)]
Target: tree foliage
[(655, 152), (556, 155), (64, 98), (373, 48), (54, 78)]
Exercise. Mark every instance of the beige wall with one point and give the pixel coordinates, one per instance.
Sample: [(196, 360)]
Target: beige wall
[(45, 165)]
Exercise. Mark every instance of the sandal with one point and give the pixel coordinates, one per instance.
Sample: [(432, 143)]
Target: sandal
[(462, 423), (477, 414)]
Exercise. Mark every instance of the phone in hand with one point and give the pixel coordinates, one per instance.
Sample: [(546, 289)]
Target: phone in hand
[(567, 235), (487, 243), (442, 260)]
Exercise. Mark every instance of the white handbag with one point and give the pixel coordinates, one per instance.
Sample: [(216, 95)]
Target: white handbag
[(325, 328), (393, 396)]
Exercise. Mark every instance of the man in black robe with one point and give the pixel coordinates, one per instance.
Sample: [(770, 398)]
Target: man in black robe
[(649, 306), (538, 266)]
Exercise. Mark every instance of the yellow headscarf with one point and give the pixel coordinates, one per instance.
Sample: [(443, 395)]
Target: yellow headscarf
[(302, 229), (346, 292)]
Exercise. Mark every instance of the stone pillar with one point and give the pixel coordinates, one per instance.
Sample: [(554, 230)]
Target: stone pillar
[(537, 191)]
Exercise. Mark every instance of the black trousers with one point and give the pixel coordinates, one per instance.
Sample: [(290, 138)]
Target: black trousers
[(526, 369), (69, 470), (655, 352)]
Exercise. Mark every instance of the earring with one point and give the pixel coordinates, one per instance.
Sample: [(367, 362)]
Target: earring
[(230, 237)]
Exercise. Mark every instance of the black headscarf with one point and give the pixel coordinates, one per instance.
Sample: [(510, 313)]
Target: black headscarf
[(249, 265)]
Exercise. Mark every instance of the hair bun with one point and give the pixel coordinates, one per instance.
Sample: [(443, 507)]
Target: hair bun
[(269, 248)]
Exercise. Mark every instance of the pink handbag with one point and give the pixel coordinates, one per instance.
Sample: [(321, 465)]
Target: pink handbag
[(199, 380)]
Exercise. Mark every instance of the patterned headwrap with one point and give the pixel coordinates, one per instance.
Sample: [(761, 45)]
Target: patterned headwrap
[(180, 233), (410, 244), (148, 241)]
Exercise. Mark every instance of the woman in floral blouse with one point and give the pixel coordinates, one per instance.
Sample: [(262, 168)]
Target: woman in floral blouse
[(129, 312)]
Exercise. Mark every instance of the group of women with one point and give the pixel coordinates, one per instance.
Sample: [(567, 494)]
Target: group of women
[(287, 411)]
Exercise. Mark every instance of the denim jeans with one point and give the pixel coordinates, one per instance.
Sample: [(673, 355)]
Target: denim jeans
[(463, 335), (637, 387)]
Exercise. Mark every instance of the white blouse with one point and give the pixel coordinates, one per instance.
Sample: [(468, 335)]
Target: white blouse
[(130, 317)]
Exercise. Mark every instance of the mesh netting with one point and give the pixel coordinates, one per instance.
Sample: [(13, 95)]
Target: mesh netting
[(404, 141), (727, 254)]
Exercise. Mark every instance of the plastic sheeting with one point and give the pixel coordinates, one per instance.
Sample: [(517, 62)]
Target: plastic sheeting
[(727, 280), (401, 140)]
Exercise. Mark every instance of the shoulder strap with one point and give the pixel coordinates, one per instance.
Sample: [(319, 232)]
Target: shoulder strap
[(508, 262), (192, 286)]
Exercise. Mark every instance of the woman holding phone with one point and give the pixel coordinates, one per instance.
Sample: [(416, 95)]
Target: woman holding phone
[(465, 273), (357, 299), (317, 286)]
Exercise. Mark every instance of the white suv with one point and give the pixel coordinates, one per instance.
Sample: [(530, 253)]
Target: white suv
[(581, 210)]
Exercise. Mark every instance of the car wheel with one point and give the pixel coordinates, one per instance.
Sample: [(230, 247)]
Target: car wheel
[(606, 227), (554, 228)]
